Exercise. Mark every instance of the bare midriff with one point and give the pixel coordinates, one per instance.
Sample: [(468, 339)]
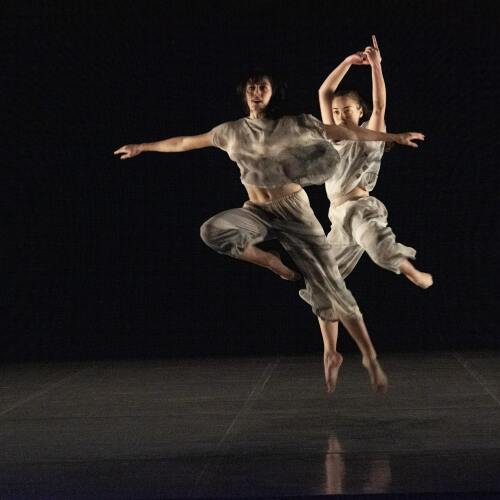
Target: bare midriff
[(357, 192), (266, 195)]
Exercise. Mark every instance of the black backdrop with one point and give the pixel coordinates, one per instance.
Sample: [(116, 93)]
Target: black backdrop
[(103, 257)]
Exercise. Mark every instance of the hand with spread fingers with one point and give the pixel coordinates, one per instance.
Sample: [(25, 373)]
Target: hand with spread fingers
[(407, 138), (128, 151)]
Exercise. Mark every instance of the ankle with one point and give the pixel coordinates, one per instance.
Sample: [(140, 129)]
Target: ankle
[(330, 351), (273, 259), (370, 359)]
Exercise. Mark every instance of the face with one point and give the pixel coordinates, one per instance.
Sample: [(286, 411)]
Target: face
[(258, 94), (346, 111)]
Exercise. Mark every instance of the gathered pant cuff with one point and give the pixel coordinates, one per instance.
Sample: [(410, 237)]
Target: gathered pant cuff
[(404, 253), (329, 314)]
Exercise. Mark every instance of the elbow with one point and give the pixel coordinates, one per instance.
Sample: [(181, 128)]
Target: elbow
[(333, 132), (180, 145), (324, 92), (338, 132)]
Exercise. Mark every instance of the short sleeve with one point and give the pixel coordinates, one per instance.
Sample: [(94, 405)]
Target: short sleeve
[(315, 125), (220, 136)]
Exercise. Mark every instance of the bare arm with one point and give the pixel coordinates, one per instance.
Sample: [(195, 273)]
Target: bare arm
[(342, 132), (172, 145), (331, 83), (377, 119)]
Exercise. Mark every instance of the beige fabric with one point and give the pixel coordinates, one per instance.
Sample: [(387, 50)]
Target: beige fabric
[(292, 221), (361, 225), (272, 153), (359, 166)]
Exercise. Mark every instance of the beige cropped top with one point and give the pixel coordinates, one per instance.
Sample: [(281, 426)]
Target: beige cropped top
[(271, 153)]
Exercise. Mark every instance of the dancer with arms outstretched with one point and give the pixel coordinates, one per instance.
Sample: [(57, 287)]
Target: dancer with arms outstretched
[(277, 155)]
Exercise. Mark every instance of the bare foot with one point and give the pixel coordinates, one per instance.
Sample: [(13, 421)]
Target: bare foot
[(421, 279), (378, 378), (276, 266), (332, 362)]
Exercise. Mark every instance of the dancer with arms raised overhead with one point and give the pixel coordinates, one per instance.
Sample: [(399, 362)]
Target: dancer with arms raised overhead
[(277, 155), (359, 220)]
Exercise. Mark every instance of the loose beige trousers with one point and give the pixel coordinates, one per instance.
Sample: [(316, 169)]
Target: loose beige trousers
[(360, 226), (292, 222)]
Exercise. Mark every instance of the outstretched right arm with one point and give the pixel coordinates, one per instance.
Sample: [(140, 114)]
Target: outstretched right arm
[(353, 133), (172, 145)]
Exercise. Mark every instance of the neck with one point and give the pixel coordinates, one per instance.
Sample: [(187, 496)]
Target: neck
[(254, 115)]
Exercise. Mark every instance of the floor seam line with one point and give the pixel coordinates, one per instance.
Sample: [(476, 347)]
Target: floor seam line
[(476, 376), (41, 392), (258, 388)]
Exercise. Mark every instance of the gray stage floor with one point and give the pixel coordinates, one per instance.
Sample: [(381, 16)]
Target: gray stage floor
[(249, 427)]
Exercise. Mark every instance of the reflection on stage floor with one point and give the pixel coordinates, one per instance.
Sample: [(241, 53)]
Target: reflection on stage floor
[(249, 427)]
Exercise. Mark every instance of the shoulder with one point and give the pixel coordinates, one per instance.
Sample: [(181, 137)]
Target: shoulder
[(305, 120), (228, 126), (308, 118), (231, 125), (221, 133)]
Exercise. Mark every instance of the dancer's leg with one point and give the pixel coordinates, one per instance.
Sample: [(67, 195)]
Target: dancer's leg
[(331, 358), (236, 232), (357, 329), (270, 260), (345, 248), (367, 218), (303, 237)]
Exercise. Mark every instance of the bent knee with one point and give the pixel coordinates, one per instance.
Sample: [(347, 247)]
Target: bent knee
[(209, 232), (217, 235)]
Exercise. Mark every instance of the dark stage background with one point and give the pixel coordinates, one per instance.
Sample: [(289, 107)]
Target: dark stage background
[(102, 258)]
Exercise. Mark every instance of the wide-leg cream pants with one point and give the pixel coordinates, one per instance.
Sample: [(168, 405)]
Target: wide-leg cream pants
[(361, 225), (290, 220)]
